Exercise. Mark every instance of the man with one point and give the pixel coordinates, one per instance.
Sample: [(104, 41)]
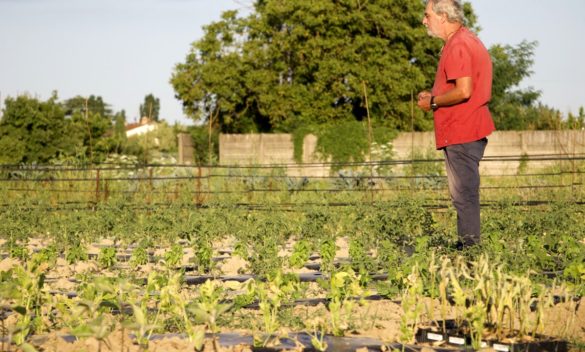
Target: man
[(459, 101)]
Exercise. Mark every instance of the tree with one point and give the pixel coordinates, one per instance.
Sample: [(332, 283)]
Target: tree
[(33, 131), (92, 105), (297, 62), (90, 122), (512, 107), (150, 108), (118, 137)]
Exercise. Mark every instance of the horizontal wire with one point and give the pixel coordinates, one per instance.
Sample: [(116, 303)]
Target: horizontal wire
[(126, 166)]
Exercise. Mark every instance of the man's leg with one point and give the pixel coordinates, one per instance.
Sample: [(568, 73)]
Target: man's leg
[(462, 163)]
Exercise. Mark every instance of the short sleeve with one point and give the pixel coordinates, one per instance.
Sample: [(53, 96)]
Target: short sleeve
[(458, 63)]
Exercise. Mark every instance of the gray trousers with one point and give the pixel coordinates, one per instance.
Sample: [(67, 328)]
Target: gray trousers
[(462, 163)]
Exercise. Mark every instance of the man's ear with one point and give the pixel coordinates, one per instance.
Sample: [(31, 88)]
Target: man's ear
[(443, 18)]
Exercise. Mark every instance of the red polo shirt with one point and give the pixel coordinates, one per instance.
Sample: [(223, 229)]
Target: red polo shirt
[(463, 56)]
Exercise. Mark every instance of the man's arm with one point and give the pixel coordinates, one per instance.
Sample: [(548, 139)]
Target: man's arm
[(460, 93)]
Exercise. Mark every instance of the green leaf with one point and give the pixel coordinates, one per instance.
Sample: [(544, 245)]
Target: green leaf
[(26, 347), (20, 310)]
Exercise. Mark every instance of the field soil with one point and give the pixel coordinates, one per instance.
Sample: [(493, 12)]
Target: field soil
[(384, 325), (380, 320)]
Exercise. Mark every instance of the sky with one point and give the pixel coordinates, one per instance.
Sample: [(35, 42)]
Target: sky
[(123, 50)]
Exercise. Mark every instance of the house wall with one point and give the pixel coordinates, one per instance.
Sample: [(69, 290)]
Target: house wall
[(140, 130)]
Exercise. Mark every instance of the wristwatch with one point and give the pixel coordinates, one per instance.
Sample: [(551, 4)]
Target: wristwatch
[(434, 105)]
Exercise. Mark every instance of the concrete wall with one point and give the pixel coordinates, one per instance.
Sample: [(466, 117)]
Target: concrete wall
[(269, 149), (186, 152), (256, 149)]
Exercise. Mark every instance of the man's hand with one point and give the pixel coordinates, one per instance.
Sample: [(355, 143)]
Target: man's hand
[(424, 100)]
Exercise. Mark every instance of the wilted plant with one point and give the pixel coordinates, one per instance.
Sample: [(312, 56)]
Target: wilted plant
[(485, 296), (87, 315), (317, 328), (343, 288), (412, 306), (271, 295)]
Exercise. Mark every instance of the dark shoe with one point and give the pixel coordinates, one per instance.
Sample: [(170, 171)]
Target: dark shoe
[(461, 246)]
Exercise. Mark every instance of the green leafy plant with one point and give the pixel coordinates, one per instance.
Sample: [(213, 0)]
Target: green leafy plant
[(300, 254), (173, 257), (139, 256), (16, 250), (107, 257), (25, 289), (208, 306), (47, 255), (140, 325), (99, 328), (203, 258), (76, 253), (327, 250)]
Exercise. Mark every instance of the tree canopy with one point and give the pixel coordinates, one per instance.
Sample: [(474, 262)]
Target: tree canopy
[(150, 107), (298, 62), (82, 129), (31, 131)]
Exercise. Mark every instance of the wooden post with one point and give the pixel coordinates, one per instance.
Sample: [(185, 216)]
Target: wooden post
[(97, 187), (369, 136), (106, 191), (89, 130), (150, 185), (198, 199)]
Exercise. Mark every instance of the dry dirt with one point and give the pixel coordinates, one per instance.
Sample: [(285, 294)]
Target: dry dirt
[(380, 320)]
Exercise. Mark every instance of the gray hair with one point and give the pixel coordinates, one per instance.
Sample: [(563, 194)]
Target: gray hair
[(452, 8)]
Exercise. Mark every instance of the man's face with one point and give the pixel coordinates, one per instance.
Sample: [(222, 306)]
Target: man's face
[(431, 20)]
